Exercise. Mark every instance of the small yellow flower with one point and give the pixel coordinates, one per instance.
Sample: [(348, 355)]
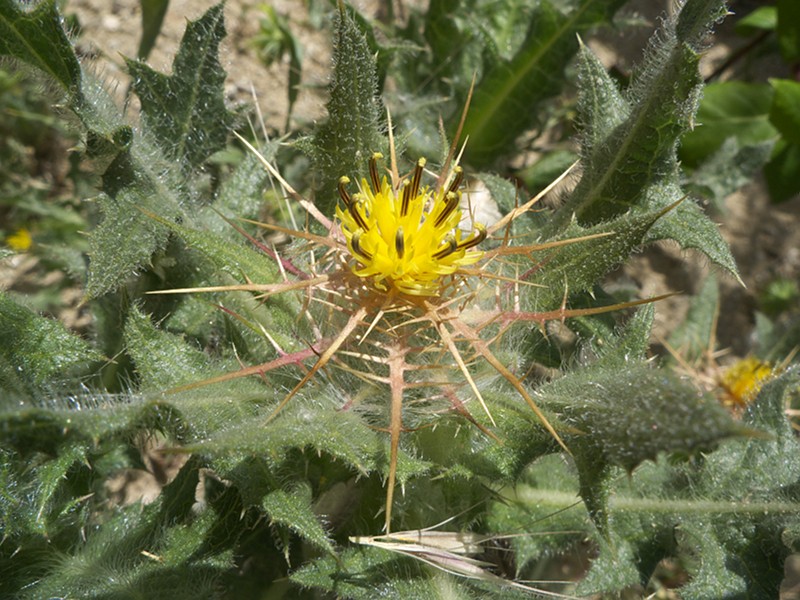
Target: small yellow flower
[(20, 241), (744, 380), (406, 238)]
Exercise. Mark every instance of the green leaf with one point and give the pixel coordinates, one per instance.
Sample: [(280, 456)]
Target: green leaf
[(153, 12), (292, 509), (788, 29), (691, 339), (185, 111), (360, 573), (784, 113), (628, 158), (728, 169), (236, 259), (506, 99), (126, 238), (763, 18), (37, 37), (163, 360), (302, 424), (38, 353), (781, 172), (728, 109), (691, 228), (344, 144), (581, 264)]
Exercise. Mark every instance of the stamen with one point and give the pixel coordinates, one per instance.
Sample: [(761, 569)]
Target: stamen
[(400, 242), (353, 209), (373, 172), (451, 247), (415, 181), (355, 242), (477, 238), (457, 179), (406, 199), (343, 181), (449, 206)]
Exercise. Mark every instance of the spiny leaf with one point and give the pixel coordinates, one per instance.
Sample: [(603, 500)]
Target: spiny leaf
[(292, 509), (163, 360), (38, 352), (690, 227), (345, 142), (185, 111), (579, 265), (361, 573), (126, 239), (37, 37), (630, 159), (341, 435), (112, 561), (640, 151)]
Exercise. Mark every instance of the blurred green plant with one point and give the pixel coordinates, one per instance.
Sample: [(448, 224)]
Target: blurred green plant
[(747, 123), (297, 391)]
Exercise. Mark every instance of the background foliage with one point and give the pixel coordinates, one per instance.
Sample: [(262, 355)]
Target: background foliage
[(661, 475)]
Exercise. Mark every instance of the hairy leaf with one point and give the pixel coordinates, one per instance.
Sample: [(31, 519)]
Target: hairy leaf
[(37, 37), (630, 153), (126, 239), (346, 141), (185, 112), (577, 266), (293, 510), (37, 353)]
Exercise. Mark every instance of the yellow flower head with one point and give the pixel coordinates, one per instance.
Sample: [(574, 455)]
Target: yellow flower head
[(21, 241), (406, 238), (744, 380)]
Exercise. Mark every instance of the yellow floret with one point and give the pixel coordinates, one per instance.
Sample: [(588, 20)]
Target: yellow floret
[(407, 238)]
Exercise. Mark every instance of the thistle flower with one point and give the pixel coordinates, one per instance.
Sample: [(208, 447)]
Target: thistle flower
[(396, 280)]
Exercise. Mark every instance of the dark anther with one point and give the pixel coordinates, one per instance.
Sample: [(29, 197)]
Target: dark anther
[(406, 199), (355, 241), (353, 209), (343, 181), (474, 240), (373, 172), (400, 242), (451, 247), (457, 179), (415, 181), (449, 206)]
